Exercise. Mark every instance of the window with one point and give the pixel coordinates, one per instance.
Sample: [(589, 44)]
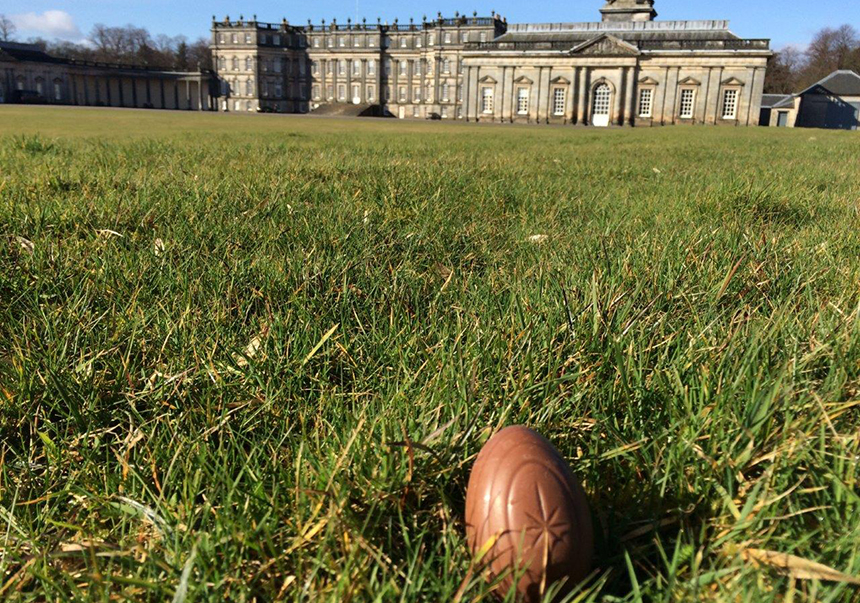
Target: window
[(58, 91), (558, 101), (288, 66), (447, 37), (646, 97), (402, 94), (265, 88), (329, 66), (688, 97), (464, 37), (248, 64), (431, 39), (356, 67), (329, 92), (418, 42), (445, 93), (341, 67), (403, 41), (370, 93), (235, 64), (222, 39), (371, 67), (446, 65), (403, 66), (316, 42), (279, 90), (249, 87), (302, 66), (276, 40), (417, 69), (265, 64), (483, 36), (222, 64), (315, 67), (330, 42), (277, 65), (486, 99), (341, 42), (459, 94), (522, 101), (247, 38), (356, 41), (341, 92), (416, 94), (444, 113), (356, 93), (235, 39), (315, 91), (730, 104), (416, 111), (602, 96)]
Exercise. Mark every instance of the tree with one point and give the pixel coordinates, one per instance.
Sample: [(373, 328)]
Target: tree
[(830, 49), (7, 28), (782, 71)]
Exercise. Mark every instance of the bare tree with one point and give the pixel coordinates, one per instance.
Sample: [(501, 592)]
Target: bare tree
[(830, 49), (7, 28), (782, 71)]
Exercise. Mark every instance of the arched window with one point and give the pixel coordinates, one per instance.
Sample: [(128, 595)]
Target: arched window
[(600, 105), (249, 88), (58, 89), (235, 64), (222, 64)]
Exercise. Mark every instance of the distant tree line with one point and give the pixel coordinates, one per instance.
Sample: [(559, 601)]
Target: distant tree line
[(126, 44), (792, 70)]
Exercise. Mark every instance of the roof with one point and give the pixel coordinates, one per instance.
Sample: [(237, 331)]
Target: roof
[(624, 30), (843, 82), (769, 101), (27, 52)]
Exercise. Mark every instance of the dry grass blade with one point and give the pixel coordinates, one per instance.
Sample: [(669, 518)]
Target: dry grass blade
[(796, 567)]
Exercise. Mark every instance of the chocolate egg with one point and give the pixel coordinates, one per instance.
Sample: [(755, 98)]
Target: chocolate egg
[(524, 503)]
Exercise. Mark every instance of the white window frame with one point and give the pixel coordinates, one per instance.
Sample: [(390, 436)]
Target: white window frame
[(736, 93), (488, 94), (687, 110), (646, 102), (559, 101), (523, 94)]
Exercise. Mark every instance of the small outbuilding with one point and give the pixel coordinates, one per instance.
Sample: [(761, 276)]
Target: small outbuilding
[(832, 103)]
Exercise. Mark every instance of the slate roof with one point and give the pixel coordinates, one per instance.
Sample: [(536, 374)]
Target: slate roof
[(631, 31), (841, 83), (28, 52), (769, 101)]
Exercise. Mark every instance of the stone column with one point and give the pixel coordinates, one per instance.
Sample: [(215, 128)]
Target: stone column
[(670, 100), (619, 99), (708, 92), (755, 102), (364, 80), (582, 97), (467, 76), (629, 95)]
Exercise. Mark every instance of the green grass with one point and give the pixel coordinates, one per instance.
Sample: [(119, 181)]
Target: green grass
[(253, 357)]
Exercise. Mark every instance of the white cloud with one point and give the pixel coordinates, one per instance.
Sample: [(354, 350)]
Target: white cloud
[(51, 23)]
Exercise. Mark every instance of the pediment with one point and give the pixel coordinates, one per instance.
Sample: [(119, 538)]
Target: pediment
[(605, 45), (559, 80), (732, 81), (689, 81), (523, 80), (487, 80), (648, 81)]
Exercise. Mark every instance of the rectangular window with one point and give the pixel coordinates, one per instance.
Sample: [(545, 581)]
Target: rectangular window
[(371, 67), (486, 100), (58, 92), (341, 41), (558, 101), (464, 37), (329, 67), (315, 91), (302, 66), (403, 41), (276, 40), (316, 42), (522, 101), (447, 37), (341, 92), (370, 93), (444, 112), (387, 66), (315, 67), (279, 91), (483, 37), (247, 38), (356, 67), (730, 104), (445, 93), (418, 42), (356, 41), (341, 67), (403, 66), (431, 39), (446, 66), (688, 97), (402, 94), (416, 94), (330, 42), (329, 92), (356, 93), (234, 39), (646, 97), (417, 71), (416, 112)]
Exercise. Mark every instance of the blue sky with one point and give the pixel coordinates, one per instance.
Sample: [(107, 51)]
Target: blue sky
[(784, 21)]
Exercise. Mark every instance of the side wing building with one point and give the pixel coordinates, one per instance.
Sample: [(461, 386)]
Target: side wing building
[(627, 69)]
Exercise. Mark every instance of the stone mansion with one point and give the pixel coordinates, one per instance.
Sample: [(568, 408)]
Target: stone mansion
[(627, 69)]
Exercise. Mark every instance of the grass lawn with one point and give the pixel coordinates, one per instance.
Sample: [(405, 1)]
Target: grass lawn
[(252, 358)]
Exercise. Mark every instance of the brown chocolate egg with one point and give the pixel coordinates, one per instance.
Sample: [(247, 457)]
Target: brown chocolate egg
[(523, 494)]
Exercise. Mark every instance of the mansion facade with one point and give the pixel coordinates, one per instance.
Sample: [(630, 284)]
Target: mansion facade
[(627, 69)]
